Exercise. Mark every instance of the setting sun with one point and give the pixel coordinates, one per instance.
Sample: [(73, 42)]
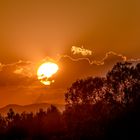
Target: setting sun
[(46, 71)]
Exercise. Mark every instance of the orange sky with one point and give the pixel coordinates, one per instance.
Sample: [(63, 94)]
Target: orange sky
[(31, 31)]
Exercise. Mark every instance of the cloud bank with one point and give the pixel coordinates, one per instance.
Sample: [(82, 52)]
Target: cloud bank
[(19, 83)]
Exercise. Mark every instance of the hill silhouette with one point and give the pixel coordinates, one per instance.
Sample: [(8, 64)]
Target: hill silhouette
[(29, 108)]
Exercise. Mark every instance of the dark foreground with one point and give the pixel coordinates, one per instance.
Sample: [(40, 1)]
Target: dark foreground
[(96, 108)]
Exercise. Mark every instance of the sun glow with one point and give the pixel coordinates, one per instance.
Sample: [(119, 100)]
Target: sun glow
[(46, 71)]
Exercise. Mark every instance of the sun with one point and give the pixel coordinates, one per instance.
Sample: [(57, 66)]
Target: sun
[(46, 71)]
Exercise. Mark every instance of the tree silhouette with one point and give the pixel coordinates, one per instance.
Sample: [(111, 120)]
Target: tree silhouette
[(10, 115), (102, 100), (87, 91), (123, 82)]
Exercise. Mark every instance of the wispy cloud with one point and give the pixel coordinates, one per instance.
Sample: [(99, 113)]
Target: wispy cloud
[(86, 52)]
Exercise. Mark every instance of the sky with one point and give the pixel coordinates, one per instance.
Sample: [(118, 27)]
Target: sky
[(35, 31)]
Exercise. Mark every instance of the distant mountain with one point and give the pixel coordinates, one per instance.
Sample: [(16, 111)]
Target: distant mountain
[(28, 108)]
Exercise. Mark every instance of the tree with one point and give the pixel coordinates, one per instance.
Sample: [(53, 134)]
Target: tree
[(10, 115), (122, 81), (121, 84), (85, 91)]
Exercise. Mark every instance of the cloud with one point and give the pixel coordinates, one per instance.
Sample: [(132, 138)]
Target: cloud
[(86, 52), (19, 73), (23, 73), (96, 62), (19, 81), (81, 50)]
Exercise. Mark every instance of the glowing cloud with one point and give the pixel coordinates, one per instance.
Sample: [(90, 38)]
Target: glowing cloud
[(85, 52), (97, 62), (18, 71), (80, 50)]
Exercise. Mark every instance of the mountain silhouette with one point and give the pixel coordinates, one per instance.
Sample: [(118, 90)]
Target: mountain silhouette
[(28, 108)]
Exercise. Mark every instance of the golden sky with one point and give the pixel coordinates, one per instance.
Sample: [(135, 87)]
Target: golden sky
[(33, 30)]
